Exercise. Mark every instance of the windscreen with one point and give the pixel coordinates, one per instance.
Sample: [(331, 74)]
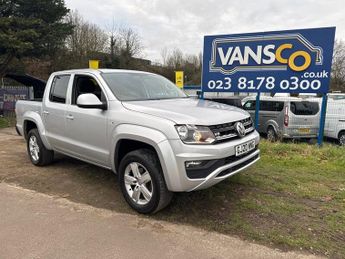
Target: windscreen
[(141, 86), (304, 108)]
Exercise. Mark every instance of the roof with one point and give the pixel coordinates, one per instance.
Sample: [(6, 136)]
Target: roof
[(100, 71)]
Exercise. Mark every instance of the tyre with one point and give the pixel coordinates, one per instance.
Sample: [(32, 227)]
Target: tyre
[(17, 130), (38, 153), (142, 183), (342, 138), (271, 134)]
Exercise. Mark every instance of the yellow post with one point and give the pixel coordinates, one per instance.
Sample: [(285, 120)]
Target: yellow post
[(179, 79), (94, 64)]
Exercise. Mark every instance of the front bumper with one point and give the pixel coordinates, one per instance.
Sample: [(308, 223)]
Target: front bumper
[(228, 170), (174, 154)]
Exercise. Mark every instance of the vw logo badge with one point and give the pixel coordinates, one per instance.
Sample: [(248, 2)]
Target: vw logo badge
[(241, 131)]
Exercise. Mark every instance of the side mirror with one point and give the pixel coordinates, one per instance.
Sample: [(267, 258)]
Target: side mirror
[(90, 101)]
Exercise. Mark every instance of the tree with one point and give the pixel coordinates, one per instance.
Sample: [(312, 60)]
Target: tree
[(164, 55), (338, 67), (86, 41), (114, 45), (31, 28), (176, 60), (130, 47)]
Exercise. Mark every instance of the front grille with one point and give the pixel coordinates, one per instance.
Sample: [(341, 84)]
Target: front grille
[(226, 131)]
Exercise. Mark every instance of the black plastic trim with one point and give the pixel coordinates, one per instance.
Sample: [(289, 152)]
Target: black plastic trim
[(208, 166)]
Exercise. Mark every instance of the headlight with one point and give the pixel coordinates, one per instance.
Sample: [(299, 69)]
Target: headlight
[(191, 134)]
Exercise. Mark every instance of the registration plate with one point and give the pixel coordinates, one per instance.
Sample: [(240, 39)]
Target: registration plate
[(245, 148), (304, 130)]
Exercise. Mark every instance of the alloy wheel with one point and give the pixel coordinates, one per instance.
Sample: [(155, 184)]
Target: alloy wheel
[(138, 183), (342, 140), (34, 148), (271, 136)]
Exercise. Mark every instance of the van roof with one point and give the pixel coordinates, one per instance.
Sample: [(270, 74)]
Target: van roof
[(279, 98)]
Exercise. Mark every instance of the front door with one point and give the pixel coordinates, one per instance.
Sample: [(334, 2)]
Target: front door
[(87, 128)]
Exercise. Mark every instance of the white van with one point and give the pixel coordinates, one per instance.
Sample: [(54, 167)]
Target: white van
[(335, 120)]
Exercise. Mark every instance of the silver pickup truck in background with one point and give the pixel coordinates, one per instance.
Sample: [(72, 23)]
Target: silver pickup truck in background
[(143, 128)]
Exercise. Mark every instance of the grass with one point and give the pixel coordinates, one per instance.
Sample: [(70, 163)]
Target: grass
[(6, 122), (293, 198)]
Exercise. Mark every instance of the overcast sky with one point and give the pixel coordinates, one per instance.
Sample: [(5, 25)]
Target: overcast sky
[(182, 24)]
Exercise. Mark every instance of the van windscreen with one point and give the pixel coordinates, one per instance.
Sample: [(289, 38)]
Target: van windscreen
[(304, 108)]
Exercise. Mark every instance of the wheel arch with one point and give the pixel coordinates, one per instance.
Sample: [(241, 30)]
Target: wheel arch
[(274, 125), (126, 145), (341, 132), (139, 137), (33, 120)]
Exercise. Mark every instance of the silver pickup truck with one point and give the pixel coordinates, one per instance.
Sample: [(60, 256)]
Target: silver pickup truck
[(143, 128)]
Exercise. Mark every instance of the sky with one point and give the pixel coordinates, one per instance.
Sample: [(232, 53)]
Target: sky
[(182, 24)]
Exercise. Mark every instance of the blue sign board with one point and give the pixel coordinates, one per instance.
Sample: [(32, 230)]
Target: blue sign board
[(295, 61)]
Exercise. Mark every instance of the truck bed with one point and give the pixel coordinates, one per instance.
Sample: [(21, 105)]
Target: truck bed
[(24, 106)]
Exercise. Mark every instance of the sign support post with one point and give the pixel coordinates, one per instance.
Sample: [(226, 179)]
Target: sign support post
[(322, 119), (257, 109)]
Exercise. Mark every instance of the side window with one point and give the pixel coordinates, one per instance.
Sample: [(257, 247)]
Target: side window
[(59, 89), (272, 106), (278, 106), (265, 106), (249, 105), (86, 85)]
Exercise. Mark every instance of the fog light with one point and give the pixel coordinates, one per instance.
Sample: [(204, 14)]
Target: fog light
[(190, 164)]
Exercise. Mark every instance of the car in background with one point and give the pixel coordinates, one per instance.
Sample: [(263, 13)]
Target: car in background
[(335, 120), (285, 117)]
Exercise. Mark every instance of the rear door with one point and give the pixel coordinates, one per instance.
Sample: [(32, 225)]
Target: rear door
[(54, 109), (304, 117), (87, 128)]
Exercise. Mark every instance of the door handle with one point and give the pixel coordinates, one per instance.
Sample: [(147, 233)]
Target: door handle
[(45, 112), (70, 117)]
